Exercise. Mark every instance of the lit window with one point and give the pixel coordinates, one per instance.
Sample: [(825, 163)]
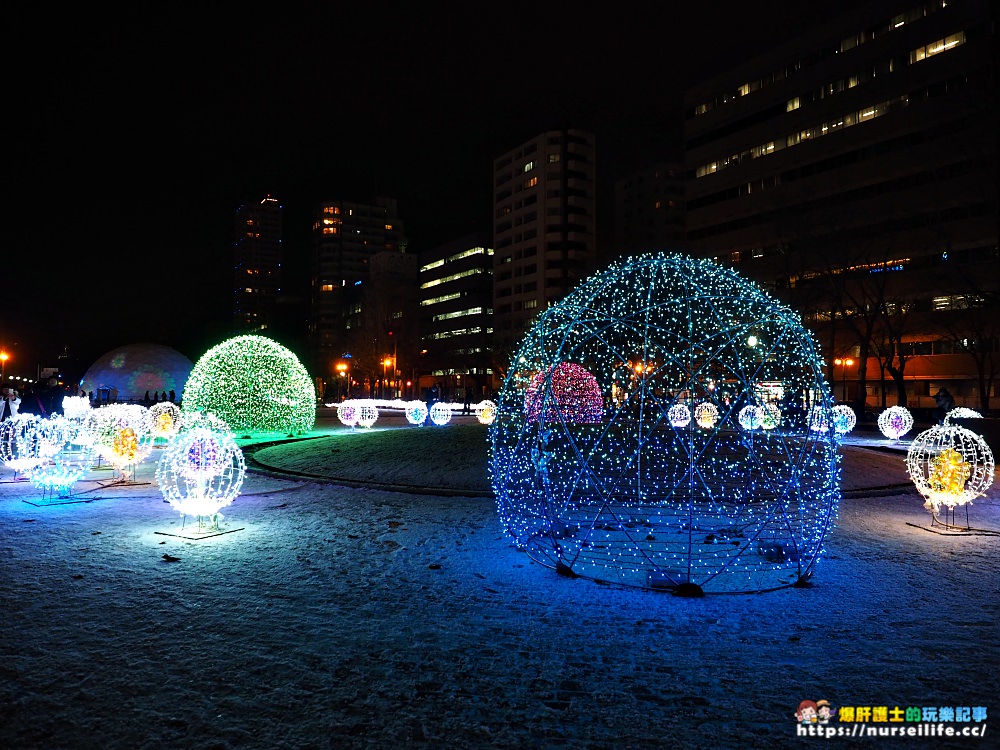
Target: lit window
[(934, 48), (388, 227), (531, 182), (793, 104), (528, 167)]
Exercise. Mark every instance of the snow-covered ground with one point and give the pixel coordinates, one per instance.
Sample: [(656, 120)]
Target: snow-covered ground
[(337, 617)]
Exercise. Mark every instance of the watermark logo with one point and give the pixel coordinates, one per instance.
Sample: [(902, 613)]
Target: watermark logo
[(819, 718)]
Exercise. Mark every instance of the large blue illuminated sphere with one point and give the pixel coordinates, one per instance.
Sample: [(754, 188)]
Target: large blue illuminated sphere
[(637, 497)]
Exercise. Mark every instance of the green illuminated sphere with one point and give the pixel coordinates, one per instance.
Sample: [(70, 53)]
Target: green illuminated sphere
[(639, 493), (254, 385)]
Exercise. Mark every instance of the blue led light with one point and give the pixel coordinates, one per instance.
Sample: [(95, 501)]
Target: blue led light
[(626, 491)]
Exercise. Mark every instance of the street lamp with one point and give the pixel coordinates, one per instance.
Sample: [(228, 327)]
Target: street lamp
[(342, 373), (385, 364), (844, 364), (3, 365)]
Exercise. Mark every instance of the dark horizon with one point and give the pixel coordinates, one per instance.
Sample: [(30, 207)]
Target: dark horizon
[(136, 141)]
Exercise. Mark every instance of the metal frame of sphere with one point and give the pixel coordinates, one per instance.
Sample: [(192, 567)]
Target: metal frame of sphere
[(636, 498)]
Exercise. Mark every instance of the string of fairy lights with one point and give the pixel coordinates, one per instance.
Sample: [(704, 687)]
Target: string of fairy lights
[(665, 486), (255, 385), (666, 426)]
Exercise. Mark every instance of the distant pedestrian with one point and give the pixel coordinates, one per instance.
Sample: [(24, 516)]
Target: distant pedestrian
[(10, 403), (53, 396), (32, 402), (945, 403), (433, 399)]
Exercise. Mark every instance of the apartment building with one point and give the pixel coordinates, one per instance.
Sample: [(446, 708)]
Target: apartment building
[(649, 210), (257, 265), (852, 170), (456, 318), (544, 235), (345, 237)]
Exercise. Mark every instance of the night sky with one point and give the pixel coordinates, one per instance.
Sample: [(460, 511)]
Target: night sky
[(137, 134)]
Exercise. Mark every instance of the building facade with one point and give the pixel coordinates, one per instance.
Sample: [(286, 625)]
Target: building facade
[(345, 237), (456, 318), (852, 171), (257, 261), (649, 210), (544, 228)]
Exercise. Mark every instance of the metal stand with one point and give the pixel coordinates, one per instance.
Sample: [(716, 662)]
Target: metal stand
[(948, 522), (204, 530), (948, 526)]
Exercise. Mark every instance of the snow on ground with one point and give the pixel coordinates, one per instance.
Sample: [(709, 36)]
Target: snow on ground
[(338, 617)]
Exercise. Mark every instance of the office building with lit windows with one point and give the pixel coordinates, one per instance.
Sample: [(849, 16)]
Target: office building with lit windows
[(649, 210), (544, 235), (345, 236), (257, 265), (456, 317), (852, 171)]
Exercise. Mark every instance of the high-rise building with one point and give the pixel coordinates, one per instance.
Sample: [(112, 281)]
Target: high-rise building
[(257, 265), (852, 170), (345, 237), (544, 234), (456, 317), (390, 319), (649, 210)]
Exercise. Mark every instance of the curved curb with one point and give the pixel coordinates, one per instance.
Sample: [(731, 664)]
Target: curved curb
[(258, 467), (270, 470)]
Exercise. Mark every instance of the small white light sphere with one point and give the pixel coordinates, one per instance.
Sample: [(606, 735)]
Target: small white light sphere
[(950, 466), (895, 422), (367, 413), (165, 419), (962, 412), (844, 419), (769, 416), (416, 412), (347, 413), (819, 418), (20, 443), (68, 462), (123, 435), (76, 407), (201, 471), (486, 411), (749, 417), (440, 413), (706, 414), (679, 415)]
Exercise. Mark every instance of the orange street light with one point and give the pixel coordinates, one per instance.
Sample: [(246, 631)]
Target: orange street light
[(3, 365), (385, 364), (844, 363)]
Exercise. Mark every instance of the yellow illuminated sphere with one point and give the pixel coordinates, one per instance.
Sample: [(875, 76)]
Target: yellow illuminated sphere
[(706, 414), (486, 412), (166, 419), (950, 466)]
